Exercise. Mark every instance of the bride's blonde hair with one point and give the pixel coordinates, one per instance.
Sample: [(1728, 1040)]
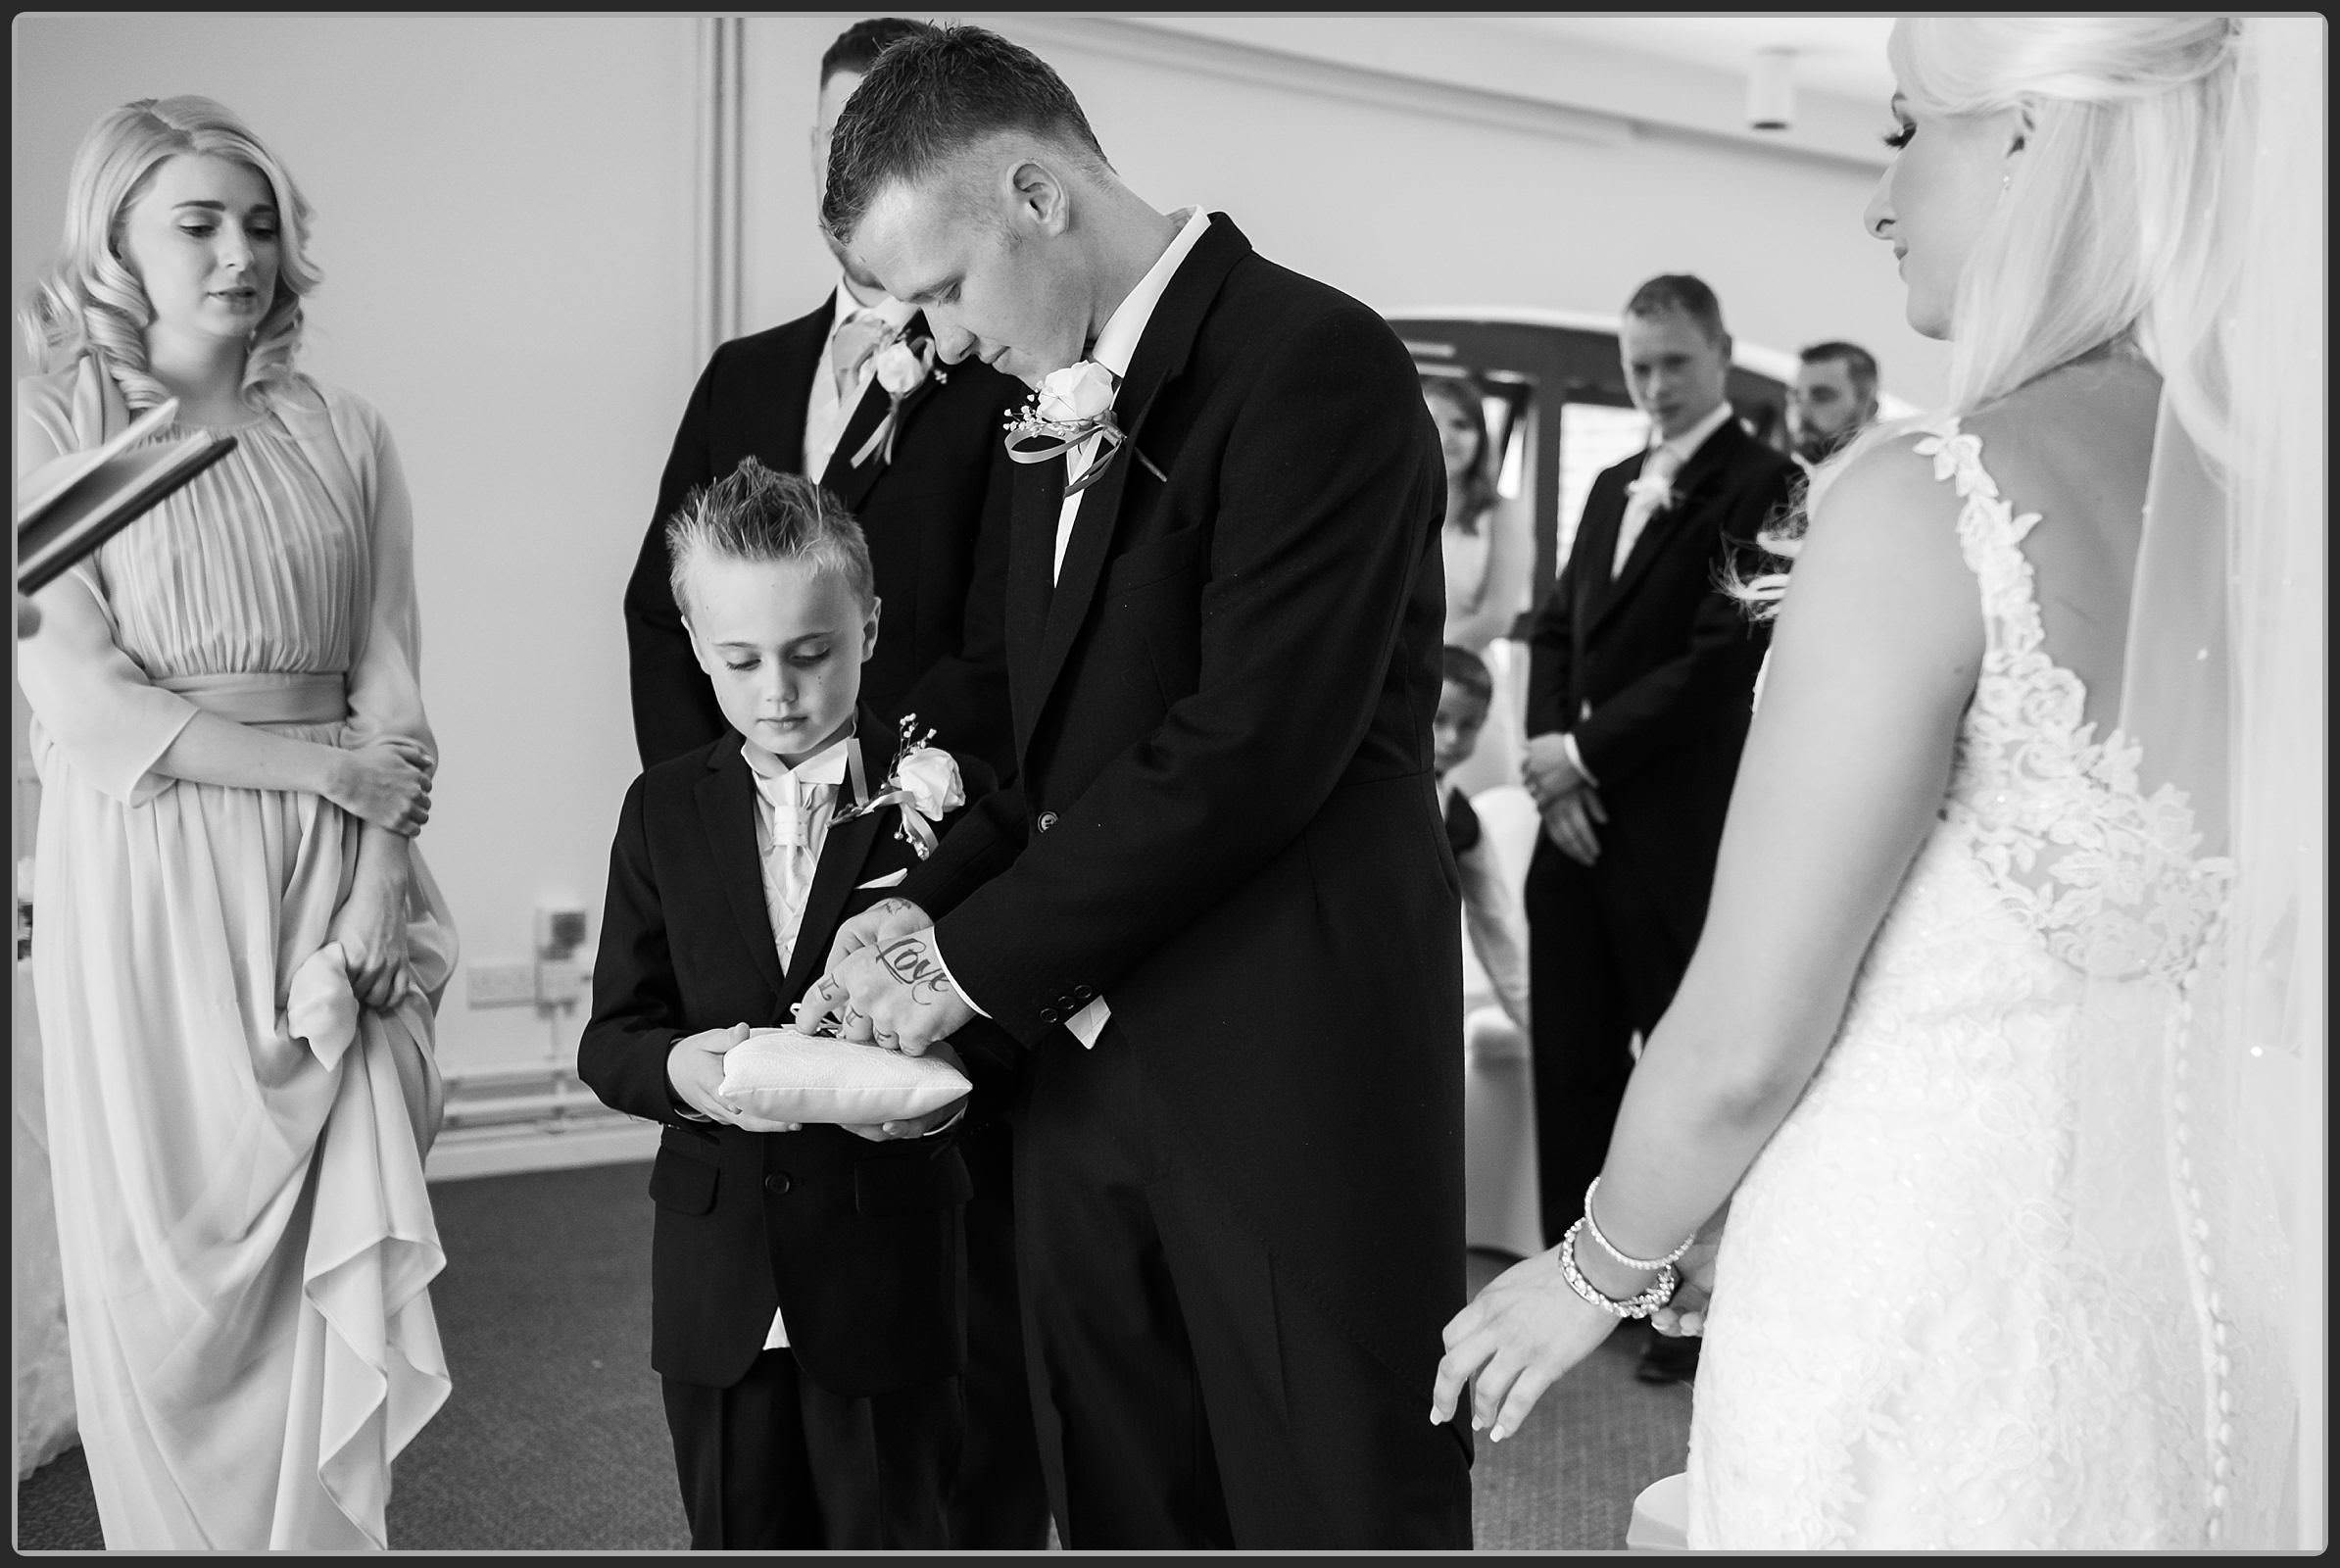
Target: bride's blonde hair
[(88, 299), (2105, 234)]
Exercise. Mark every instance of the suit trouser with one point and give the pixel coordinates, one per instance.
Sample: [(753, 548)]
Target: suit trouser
[(1602, 964), (777, 1462), (1188, 1393), (1000, 1501)]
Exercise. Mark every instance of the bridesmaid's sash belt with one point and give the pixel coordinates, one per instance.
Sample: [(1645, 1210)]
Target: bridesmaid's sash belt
[(266, 698)]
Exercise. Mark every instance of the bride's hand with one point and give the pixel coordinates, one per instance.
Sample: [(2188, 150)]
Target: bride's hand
[(1685, 1313), (1514, 1341)]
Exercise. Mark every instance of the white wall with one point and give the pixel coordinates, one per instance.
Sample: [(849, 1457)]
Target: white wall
[(503, 218)]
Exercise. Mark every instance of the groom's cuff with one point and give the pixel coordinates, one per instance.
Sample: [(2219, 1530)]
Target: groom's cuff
[(964, 994), (1085, 1025)]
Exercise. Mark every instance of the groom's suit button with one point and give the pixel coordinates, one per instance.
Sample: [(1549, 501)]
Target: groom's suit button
[(1051, 1016), (776, 1183), (1048, 820)]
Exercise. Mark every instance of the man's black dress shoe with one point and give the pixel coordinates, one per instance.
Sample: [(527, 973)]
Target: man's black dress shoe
[(1669, 1361)]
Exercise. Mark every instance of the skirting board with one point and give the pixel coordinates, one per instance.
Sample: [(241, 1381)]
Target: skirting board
[(502, 1150)]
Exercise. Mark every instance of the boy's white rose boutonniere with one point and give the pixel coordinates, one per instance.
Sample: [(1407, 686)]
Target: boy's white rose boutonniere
[(1069, 407), (924, 783), (902, 367)]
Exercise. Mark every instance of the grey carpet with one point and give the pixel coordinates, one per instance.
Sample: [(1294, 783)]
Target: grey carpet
[(555, 1438)]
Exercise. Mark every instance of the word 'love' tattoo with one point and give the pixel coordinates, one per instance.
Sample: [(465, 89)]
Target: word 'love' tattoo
[(912, 962)]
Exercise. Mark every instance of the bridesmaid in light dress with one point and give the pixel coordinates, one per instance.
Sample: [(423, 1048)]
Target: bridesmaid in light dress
[(1489, 554), (240, 955)]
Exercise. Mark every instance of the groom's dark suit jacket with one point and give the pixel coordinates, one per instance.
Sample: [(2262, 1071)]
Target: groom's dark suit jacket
[(936, 518), (1225, 820), (859, 1241), (1653, 670)]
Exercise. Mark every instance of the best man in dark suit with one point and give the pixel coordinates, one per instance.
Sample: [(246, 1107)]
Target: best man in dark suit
[(935, 513), (1640, 685), (1217, 910)]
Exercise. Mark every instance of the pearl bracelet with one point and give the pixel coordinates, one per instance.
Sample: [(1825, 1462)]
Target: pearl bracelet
[(1610, 1246), (1659, 1292)]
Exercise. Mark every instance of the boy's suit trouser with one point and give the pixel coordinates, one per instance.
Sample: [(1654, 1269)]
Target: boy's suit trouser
[(777, 1462)]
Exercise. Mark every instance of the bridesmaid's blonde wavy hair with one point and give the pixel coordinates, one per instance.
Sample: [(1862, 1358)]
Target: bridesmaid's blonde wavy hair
[(2104, 236), (88, 299)]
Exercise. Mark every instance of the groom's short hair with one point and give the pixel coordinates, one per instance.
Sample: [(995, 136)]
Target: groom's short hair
[(755, 514), (928, 97)]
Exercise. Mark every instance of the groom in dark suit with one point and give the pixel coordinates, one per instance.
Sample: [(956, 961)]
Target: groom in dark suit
[(1641, 680), (811, 397), (1217, 909)]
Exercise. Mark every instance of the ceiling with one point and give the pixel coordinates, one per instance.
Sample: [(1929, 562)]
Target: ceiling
[(1843, 55)]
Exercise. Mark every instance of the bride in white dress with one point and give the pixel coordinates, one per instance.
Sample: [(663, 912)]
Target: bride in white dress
[(2003, 1265)]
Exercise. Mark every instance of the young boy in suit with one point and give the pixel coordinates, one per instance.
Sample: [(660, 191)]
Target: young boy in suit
[(807, 1285)]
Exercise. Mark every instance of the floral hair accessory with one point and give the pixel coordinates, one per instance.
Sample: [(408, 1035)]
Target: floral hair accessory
[(924, 783), (1069, 407), (901, 366)]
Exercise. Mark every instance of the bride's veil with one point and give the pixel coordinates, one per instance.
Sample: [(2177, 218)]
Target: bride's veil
[(2222, 688)]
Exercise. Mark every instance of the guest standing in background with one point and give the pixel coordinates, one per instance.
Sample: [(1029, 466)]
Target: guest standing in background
[(1643, 669), (1490, 550), (240, 953), (853, 395), (1832, 401)]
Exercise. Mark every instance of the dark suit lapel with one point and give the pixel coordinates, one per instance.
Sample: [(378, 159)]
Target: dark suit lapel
[(841, 856), (1035, 504), (797, 356), (1705, 466), (727, 811), (1162, 352), (850, 481)]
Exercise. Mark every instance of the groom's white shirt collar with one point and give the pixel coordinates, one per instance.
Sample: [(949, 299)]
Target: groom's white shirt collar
[(1118, 340), (1686, 445)]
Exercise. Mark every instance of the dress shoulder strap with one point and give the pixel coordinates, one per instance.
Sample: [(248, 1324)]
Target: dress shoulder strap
[(1990, 536)]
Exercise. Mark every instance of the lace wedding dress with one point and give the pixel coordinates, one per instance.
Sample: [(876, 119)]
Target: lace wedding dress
[(1965, 1298)]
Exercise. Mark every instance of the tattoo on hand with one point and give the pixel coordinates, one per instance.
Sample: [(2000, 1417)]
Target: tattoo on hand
[(912, 962), (891, 907)]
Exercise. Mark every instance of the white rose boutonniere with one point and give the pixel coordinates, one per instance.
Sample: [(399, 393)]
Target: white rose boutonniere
[(1069, 407), (902, 367), (1658, 491), (926, 785)]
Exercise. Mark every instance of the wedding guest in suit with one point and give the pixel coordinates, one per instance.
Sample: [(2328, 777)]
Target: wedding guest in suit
[(849, 395), (815, 397), (1832, 401), (240, 952), (806, 1295), (1216, 909), (1642, 676), (1489, 546)]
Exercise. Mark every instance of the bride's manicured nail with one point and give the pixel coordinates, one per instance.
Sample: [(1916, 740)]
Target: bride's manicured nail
[(1434, 1417), (1497, 1436)]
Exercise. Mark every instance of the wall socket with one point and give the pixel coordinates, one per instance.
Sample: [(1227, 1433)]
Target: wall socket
[(501, 985)]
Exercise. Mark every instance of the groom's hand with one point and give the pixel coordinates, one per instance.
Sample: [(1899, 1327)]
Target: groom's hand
[(887, 989)]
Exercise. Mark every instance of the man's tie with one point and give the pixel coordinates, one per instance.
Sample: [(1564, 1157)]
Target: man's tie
[(857, 337), (1641, 501)]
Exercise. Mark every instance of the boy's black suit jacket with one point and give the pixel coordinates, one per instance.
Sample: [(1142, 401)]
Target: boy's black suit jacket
[(1653, 670), (1225, 820), (859, 1242), (936, 518)]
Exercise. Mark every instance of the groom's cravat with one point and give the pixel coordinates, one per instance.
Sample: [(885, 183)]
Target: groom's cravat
[(1077, 462)]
